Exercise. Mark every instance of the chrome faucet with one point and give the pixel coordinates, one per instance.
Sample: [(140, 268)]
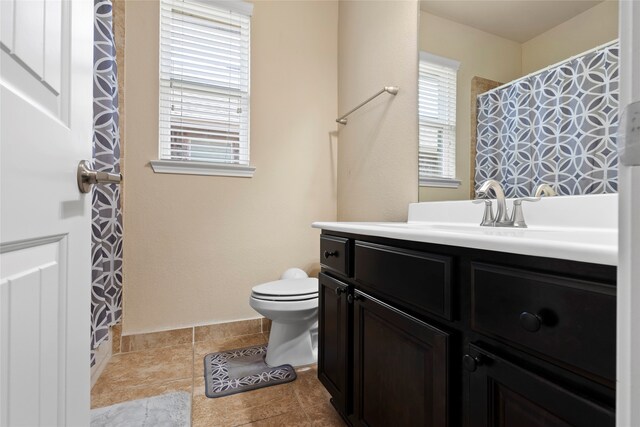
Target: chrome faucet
[(501, 217), (544, 190), (488, 219)]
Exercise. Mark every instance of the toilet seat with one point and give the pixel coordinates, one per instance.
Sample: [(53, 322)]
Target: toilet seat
[(293, 298), (287, 290), (292, 307)]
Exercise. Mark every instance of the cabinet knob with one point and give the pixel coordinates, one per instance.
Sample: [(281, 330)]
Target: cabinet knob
[(470, 362), (352, 298), (328, 254), (340, 291), (530, 322)]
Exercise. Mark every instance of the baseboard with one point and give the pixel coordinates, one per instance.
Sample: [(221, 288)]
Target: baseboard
[(145, 341), (102, 356)]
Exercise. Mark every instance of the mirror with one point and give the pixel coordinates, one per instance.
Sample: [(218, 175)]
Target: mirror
[(548, 72)]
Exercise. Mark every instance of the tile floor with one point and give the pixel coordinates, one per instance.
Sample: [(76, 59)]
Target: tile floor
[(150, 372)]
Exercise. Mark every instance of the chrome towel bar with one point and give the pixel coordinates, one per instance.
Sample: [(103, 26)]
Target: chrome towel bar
[(393, 90)]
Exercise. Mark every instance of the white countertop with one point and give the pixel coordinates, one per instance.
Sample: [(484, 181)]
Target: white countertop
[(578, 228)]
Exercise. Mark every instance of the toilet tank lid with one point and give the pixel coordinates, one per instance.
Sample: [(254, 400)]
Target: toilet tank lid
[(288, 287)]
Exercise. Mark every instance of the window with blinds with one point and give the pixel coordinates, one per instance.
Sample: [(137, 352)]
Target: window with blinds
[(437, 120), (204, 81)]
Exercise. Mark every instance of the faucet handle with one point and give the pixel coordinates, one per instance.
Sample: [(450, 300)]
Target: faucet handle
[(517, 216), (544, 189), (528, 199), (488, 220)]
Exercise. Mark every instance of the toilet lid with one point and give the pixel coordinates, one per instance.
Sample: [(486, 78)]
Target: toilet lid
[(288, 287)]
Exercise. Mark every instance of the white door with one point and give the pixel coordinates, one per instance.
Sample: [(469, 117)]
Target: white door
[(45, 130)]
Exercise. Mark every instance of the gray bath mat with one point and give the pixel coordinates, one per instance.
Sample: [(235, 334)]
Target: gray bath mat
[(167, 410), (235, 371)]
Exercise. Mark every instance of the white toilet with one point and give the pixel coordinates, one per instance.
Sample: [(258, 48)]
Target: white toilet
[(292, 305)]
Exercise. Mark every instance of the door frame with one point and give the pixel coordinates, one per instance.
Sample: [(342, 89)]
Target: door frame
[(628, 318)]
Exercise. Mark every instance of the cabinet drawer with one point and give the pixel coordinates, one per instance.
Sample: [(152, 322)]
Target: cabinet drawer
[(416, 280), (334, 254), (573, 321), (504, 394)]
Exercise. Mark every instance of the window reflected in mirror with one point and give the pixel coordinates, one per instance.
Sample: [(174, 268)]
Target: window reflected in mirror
[(437, 82)]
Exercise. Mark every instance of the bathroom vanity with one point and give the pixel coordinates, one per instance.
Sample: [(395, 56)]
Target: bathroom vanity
[(434, 323)]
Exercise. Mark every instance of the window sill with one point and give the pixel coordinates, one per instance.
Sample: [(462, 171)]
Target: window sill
[(182, 167), (440, 182)]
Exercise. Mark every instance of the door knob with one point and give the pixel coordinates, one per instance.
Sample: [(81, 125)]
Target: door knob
[(87, 177)]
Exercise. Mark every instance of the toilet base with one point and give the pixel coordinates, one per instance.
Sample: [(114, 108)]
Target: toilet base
[(294, 343)]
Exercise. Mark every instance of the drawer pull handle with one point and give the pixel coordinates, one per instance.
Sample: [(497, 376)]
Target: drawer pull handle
[(340, 291), (530, 322), (470, 362), (328, 254)]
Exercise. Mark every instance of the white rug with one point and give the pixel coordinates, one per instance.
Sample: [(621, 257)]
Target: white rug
[(167, 410)]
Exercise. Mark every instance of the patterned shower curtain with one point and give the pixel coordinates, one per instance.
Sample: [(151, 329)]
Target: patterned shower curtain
[(106, 224), (557, 127)]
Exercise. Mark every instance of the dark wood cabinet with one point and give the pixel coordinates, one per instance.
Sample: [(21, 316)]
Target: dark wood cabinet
[(335, 254), (334, 352), (400, 368), (573, 321), (414, 279), (417, 334), (503, 394)]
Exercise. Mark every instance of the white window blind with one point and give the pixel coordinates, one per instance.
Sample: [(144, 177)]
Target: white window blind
[(437, 120), (204, 81)]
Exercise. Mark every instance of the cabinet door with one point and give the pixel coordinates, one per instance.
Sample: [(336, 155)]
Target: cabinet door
[(333, 334), (400, 364), (502, 394)]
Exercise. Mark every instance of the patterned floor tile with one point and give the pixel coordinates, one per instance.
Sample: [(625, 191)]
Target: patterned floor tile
[(130, 376), (290, 419), (323, 414), (308, 388), (147, 367), (242, 408)]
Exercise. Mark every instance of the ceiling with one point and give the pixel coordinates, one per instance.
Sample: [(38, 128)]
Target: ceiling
[(517, 20)]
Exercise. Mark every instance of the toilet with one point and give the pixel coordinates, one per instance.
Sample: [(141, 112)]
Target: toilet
[(291, 304)]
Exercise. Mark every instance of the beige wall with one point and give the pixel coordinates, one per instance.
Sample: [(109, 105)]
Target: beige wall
[(591, 28), (480, 54), (378, 148), (195, 245)]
